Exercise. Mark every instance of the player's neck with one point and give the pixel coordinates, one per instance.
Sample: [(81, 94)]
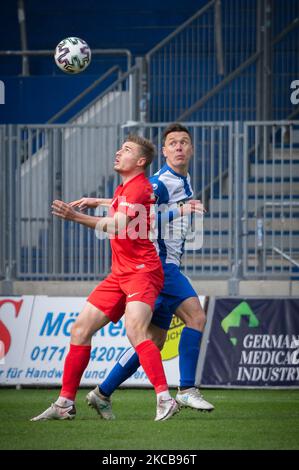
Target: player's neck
[(125, 178), (183, 170)]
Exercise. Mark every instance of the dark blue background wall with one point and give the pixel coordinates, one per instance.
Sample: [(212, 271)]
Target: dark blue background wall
[(134, 25), (138, 26)]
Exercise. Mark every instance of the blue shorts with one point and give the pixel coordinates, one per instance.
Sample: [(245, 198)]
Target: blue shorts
[(177, 288)]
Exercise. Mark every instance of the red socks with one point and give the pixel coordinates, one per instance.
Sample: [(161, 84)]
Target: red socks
[(151, 361), (75, 363), (78, 357)]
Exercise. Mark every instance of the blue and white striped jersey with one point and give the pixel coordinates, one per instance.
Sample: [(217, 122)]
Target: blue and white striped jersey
[(171, 190)]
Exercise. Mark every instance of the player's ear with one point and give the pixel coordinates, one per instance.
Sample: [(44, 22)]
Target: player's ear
[(163, 151), (141, 162)]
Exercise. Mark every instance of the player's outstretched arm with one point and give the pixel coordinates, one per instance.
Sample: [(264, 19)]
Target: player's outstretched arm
[(193, 206), (90, 203), (111, 225)]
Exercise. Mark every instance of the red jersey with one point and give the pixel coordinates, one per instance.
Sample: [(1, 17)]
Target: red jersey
[(132, 250)]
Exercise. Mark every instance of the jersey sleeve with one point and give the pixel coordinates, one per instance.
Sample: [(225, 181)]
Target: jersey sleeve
[(134, 199), (160, 190)]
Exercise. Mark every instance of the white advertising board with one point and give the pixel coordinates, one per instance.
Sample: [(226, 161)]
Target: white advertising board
[(41, 336), (15, 314)]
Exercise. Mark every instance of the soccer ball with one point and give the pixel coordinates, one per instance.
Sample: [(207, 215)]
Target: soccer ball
[(72, 55)]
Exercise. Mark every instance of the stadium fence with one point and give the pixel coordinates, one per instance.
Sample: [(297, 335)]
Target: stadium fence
[(246, 174)]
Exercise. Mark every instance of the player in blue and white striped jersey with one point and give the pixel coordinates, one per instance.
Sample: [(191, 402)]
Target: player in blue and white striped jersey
[(172, 189)]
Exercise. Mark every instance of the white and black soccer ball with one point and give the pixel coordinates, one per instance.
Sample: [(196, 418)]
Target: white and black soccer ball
[(72, 55)]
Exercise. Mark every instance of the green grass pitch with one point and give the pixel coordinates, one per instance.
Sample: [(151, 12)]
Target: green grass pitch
[(242, 419)]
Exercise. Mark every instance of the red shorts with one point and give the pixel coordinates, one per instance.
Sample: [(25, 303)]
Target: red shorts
[(112, 294)]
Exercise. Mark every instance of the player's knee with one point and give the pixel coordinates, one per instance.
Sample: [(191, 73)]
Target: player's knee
[(135, 338), (136, 332), (79, 334), (195, 321), (200, 321)]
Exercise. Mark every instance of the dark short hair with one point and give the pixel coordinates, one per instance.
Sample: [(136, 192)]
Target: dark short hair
[(147, 149), (175, 127)]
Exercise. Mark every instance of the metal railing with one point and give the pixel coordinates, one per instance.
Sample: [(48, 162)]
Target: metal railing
[(66, 162), (213, 156), (43, 163), (25, 54), (229, 61), (118, 103), (251, 169), (109, 73), (270, 197), (174, 63)]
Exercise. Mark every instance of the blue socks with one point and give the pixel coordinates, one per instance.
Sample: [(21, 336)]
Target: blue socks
[(123, 369), (189, 347)]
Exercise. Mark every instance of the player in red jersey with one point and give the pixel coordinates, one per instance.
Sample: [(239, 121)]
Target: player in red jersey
[(132, 287)]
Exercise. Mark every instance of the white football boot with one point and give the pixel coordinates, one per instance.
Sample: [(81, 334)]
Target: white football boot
[(192, 398), (56, 412), (166, 409), (100, 403)]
